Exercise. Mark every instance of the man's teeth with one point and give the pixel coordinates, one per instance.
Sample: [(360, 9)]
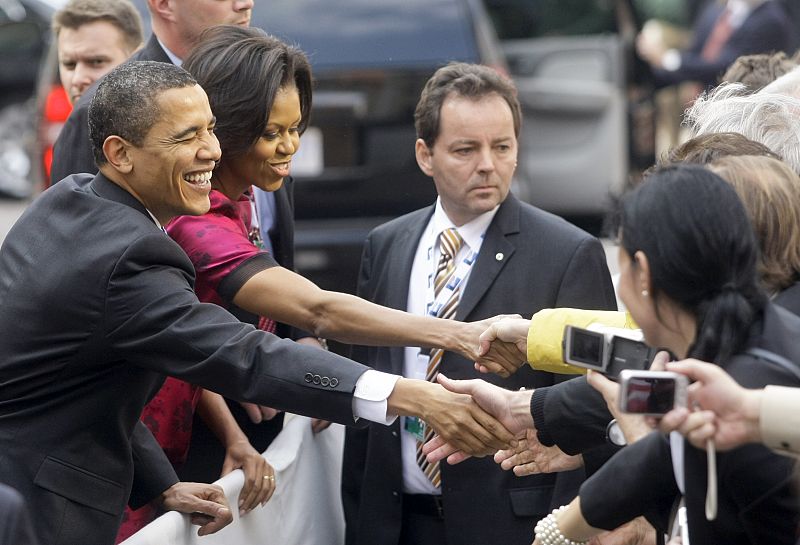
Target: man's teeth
[(200, 178)]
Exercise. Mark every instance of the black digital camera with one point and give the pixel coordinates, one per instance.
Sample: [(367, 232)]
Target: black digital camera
[(608, 350)]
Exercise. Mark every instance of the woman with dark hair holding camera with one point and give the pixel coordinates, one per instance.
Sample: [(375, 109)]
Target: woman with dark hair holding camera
[(688, 265)]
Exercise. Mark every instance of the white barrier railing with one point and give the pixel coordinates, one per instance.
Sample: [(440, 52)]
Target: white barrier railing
[(306, 508)]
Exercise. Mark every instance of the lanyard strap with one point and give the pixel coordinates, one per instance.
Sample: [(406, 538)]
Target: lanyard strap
[(462, 269)]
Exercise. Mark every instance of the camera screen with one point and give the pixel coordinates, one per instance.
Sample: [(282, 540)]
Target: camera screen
[(650, 395), (587, 347)]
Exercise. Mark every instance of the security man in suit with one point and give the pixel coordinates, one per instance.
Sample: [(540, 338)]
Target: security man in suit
[(477, 252), (98, 306)]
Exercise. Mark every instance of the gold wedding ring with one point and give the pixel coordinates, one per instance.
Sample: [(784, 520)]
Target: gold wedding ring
[(269, 477)]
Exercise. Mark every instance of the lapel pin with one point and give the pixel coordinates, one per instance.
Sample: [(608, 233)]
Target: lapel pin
[(499, 256)]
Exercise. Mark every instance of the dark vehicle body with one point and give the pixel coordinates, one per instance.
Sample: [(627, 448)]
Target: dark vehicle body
[(23, 24)]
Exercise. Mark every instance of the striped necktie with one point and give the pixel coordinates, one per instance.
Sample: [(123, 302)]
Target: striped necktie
[(449, 244)]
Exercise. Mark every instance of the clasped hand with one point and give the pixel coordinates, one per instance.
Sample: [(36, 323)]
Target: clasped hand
[(509, 409), (503, 345)]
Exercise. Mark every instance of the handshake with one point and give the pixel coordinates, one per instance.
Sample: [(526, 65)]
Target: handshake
[(473, 417)]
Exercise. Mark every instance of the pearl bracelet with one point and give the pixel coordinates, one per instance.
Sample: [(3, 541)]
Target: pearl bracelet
[(548, 532)]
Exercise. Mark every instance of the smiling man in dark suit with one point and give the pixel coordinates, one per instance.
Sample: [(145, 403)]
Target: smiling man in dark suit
[(98, 306), (177, 25), (475, 253)]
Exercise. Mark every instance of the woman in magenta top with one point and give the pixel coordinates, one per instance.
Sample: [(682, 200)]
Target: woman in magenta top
[(260, 90)]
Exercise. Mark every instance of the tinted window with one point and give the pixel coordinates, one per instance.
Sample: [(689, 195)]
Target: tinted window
[(401, 33), (537, 18)]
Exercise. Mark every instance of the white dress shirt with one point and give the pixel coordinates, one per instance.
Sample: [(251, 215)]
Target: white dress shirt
[(415, 363)]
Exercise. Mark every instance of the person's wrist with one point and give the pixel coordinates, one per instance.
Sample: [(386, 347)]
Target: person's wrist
[(751, 407), (408, 396), (549, 532), (520, 408), (161, 500)]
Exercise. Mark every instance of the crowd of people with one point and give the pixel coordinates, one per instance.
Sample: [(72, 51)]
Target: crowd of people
[(155, 280)]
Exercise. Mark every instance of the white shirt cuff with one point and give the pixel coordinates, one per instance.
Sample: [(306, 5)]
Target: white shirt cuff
[(671, 60), (373, 388)]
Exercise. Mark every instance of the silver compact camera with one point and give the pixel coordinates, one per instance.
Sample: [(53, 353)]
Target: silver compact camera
[(651, 393)]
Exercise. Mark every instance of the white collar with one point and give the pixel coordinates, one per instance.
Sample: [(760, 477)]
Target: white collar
[(177, 61), (158, 223), (472, 231)]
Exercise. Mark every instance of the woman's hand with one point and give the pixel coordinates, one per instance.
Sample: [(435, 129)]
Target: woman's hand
[(633, 426), (259, 476), (727, 413)]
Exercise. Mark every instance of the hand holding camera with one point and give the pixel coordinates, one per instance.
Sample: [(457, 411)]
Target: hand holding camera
[(651, 393)]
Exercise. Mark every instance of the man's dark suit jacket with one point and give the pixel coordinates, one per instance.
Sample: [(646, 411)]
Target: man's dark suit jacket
[(529, 260), (97, 307), (767, 29), (15, 520), (72, 155)]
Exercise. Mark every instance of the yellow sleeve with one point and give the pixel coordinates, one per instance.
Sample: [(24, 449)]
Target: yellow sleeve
[(546, 333)]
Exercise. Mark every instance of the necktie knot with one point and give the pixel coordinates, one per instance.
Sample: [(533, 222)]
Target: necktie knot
[(450, 243)]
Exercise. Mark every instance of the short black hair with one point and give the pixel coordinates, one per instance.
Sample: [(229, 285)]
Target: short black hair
[(242, 70), (473, 81), (126, 104)]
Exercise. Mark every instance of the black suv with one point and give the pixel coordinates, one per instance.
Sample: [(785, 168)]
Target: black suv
[(24, 25), (356, 166)]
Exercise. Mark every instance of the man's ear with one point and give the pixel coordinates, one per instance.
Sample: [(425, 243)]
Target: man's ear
[(643, 279), (423, 153), (161, 8), (116, 149)]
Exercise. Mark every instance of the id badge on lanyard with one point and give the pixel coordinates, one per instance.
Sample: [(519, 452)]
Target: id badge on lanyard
[(412, 424)]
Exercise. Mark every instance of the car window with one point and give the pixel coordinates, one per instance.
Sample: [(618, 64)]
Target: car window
[(401, 33), (515, 19), (538, 18)]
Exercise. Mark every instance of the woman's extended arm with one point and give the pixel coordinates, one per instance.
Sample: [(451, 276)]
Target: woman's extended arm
[(288, 297)]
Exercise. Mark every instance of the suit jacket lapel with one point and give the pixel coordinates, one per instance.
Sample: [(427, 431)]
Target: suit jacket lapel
[(405, 247), (283, 243), (496, 250), (152, 51)]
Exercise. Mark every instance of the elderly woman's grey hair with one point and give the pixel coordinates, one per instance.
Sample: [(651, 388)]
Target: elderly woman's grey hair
[(773, 119)]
